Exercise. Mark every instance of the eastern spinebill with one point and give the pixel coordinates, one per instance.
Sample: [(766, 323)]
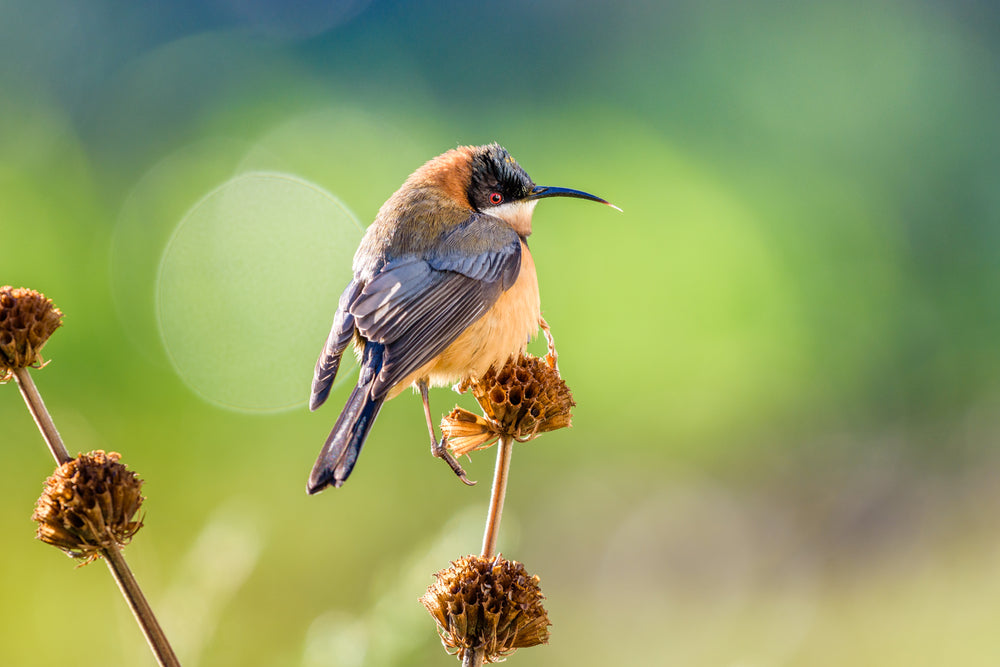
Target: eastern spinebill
[(444, 287)]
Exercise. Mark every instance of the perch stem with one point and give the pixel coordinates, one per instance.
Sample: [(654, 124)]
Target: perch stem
[(473, 658), (504, 449)]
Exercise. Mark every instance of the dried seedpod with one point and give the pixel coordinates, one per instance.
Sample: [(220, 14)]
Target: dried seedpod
[(491, 605), (523, 398), (27, 319), (88, 505)]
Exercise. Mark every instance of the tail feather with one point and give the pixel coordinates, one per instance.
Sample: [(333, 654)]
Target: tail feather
[(340, 451)]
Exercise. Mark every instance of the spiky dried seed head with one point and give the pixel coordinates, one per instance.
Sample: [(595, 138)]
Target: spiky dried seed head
[(89, 503), (522, 399), (465, 431), (487, 604), (27, 319)]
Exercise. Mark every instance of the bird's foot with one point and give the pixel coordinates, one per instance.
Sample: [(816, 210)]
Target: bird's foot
[(439, 450)]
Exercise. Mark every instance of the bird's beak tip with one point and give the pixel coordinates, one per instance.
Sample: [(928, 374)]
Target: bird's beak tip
[(542, 191)]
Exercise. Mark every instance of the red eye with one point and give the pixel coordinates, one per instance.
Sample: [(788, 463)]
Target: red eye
[(495, 198)]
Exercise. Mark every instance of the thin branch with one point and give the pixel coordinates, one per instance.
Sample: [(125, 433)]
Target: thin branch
[(473, 658), (112, 554), (36, 406), (504, 449), (140, 607)]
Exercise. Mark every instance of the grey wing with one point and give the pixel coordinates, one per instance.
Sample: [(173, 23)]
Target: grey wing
[(417, 306), (340, 335)]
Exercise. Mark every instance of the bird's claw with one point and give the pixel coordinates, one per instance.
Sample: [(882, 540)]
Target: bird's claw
[(439, 450)]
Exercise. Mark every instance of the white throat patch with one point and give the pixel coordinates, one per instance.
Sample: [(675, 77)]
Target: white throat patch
[(517, 214)]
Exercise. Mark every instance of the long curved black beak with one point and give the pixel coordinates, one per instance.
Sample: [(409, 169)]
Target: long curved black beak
[(540, 192)]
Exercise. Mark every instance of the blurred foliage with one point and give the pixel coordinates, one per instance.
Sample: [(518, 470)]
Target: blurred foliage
[(784, 351)]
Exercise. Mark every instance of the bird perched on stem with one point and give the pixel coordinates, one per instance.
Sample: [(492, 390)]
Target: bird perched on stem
[(444, 287)]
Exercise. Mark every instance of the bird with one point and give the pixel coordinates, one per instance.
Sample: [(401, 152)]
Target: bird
[(443, 288)]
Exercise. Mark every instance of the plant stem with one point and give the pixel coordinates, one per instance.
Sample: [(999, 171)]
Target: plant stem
[(473, 658), (504, 449), (140, 607), (112, 554), (36, 406)]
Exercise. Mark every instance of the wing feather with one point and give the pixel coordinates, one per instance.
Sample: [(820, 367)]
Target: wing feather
[(417, 305), (340, 335)]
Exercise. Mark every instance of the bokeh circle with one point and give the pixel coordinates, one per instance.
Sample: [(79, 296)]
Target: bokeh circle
[(248, 285)]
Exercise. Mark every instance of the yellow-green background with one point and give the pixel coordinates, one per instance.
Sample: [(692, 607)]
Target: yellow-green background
[(785, 351)]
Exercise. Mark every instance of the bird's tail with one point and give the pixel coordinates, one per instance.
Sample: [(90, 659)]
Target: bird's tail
[(341, 449), (340, 452)]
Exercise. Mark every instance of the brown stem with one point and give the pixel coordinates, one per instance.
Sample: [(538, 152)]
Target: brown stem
[(504, 449), (36, 406), (473, 658), (113, 555), (140, 607)]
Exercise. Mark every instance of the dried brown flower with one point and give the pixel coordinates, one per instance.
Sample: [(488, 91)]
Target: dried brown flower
[(88, 505), (27, 319), (487, 604), (522, 399)]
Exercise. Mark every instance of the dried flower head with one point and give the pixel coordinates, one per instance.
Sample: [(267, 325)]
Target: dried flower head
[(88, 504), (27, 319), (522, 399), (487, 604)]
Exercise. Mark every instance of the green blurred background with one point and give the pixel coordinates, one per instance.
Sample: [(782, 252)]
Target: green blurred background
[(784, 352)]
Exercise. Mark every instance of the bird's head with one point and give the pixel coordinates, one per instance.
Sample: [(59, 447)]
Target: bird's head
[(497, 185)]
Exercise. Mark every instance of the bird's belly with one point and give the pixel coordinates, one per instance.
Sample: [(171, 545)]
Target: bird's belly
[(503, 331)]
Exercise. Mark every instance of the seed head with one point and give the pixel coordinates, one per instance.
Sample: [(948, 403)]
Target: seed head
[(88, 505), (487, 604), (524, 398), (27, 319)]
